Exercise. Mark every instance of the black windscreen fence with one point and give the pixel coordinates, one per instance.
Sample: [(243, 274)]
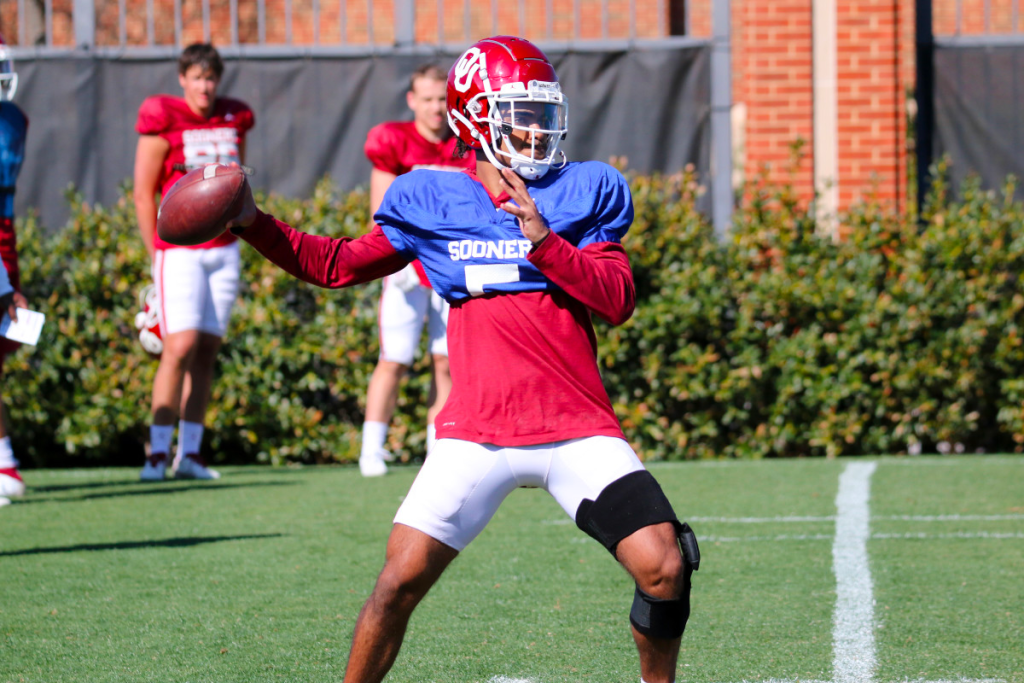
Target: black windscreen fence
[(651, 106), (979, 97)]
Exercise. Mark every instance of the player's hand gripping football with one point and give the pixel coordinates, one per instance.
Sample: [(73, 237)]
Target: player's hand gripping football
[(246, 216), (533, 225)]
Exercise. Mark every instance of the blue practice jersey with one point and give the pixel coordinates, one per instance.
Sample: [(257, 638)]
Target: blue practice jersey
[(469, 247), (13, 126)]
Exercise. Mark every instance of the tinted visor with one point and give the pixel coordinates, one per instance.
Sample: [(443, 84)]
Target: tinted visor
[(533, 115)]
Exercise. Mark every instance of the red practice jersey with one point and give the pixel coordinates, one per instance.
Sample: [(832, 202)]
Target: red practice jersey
[(396, 147), (195, 141)]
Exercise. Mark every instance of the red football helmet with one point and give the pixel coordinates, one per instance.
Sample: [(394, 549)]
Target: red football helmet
[(147, 322), (8, 76), (503, 84)]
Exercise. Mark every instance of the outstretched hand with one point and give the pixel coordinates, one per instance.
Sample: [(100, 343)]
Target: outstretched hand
[(531, 222), (247, 215)]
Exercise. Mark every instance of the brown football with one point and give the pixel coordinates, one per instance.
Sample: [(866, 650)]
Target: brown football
[(196, 207)]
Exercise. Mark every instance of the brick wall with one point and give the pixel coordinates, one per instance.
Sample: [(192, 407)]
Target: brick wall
[(968, 17), (773, 82), (874, 75)]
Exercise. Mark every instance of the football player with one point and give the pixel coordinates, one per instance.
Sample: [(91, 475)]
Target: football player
[(196, 286), (407, 300), (525, 250), (13, 126)]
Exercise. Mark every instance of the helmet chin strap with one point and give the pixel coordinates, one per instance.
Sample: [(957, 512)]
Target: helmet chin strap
[(536, 171), (518, 163), (529, 171)]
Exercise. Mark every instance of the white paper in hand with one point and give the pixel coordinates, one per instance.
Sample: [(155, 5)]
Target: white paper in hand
[(26, 330)]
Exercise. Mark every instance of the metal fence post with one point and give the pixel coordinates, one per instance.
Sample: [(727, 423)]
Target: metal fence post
[(721, 119), (924, 95), (405, 22), (84, 20)]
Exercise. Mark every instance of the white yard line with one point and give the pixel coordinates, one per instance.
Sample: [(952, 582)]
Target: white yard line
[(831, 518), (964, 534), (780, 537), (761, 520), (908, 680), (994, 535), (952, 518), (853, 628)]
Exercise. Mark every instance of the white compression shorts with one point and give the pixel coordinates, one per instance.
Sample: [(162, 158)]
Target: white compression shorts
[(197, 288), (402, 313), (462, 483)]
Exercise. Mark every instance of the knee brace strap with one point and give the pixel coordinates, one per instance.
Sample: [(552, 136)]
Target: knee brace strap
[(688, 544), (657, 618)]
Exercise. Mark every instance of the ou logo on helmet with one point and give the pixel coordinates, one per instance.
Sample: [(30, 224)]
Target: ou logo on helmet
[(466, 68)]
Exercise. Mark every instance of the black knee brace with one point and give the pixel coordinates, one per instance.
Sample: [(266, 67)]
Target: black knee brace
[(657, 618)]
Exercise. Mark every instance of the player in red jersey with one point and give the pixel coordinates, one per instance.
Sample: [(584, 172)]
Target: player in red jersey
[(13, 127), (407, 300), (525, 250), (196, 286)]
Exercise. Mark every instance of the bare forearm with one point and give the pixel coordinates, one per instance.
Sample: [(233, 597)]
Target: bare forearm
[(145, 214), (149, 158)]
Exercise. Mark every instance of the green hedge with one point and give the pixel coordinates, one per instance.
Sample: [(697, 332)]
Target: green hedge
[(776, 341)]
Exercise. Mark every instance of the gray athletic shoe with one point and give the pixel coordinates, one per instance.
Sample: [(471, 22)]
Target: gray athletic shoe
[(154, 469)]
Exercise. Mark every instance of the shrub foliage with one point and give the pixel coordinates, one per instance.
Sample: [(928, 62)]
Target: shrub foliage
[(907, 335)]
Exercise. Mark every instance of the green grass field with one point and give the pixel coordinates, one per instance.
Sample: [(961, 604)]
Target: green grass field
[(259, 577)]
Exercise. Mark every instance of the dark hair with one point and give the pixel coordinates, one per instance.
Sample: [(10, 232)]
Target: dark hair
[(203, 55), (432, 71), (461, 149)]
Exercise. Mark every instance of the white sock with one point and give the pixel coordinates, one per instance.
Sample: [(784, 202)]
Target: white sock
[(190, 438), (7, 459), (431, 437), (160, 438), (374, 436)]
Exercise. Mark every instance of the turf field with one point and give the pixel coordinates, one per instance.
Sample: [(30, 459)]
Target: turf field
[(853, 570)]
